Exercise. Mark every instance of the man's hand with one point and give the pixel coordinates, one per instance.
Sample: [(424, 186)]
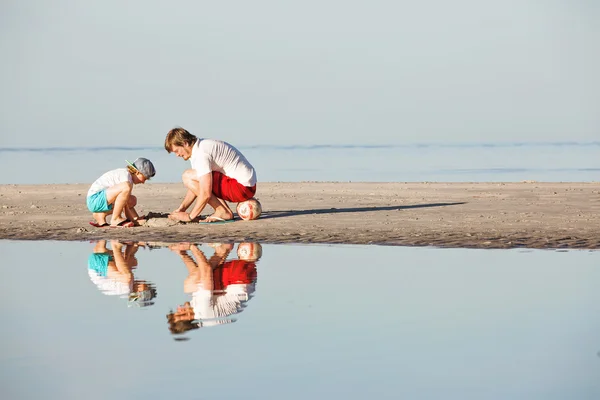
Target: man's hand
[(180, 247), (180, 216), (178, 209)]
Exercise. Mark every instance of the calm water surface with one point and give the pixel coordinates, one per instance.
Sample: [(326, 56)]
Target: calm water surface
[(108, 320), (508, 162)]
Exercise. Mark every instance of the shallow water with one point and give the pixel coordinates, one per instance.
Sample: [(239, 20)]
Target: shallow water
[(508, 162), (303, 322)]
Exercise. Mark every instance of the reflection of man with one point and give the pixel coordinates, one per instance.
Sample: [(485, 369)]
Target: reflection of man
[(219, 288), (112, 272)]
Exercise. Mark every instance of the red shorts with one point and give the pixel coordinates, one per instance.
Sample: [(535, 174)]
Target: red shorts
[(229, 189), (234, 271)]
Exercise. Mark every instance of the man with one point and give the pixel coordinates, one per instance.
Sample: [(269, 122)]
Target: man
[(220, 288), (219, 173)]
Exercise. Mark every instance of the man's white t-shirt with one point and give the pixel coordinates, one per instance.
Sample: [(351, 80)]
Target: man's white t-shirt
[(216, 155), (109, 179), (209, 305)]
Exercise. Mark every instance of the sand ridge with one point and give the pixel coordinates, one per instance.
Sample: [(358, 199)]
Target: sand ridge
[(472, 215)]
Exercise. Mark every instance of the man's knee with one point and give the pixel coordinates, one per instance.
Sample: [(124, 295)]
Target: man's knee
[(188, 176)]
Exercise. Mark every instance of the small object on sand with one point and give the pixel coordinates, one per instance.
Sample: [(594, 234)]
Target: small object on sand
[(249, 209)]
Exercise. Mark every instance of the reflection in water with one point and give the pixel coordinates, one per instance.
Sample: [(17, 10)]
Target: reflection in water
[(219, 285), (219, 288), (112, 270), (525, 326)]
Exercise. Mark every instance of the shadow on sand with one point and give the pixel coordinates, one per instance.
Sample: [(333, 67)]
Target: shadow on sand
[(289, 213)]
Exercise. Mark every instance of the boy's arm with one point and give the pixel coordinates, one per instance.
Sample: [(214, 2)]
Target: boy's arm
[(130, 250)]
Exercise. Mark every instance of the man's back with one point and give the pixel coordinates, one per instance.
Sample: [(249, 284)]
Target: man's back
[(216, 155)]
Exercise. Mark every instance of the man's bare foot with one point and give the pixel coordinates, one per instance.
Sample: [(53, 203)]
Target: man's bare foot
[(217, 218)]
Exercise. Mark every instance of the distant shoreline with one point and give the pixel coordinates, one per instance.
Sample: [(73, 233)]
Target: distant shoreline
[(458, 215), (431, 144)]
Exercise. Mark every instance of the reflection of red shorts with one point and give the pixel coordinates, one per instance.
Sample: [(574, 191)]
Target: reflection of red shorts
[(229, 189), (234, 271)]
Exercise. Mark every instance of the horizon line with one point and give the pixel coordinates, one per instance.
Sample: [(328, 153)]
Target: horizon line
[(321, 146)]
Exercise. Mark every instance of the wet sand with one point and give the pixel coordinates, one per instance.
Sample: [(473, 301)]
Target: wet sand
[(470, 215)]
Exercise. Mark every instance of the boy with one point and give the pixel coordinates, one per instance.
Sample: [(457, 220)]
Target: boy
[(111, 194), (112, 271)]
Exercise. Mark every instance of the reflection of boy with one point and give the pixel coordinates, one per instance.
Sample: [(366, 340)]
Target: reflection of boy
[(218, 291), (111, 271)]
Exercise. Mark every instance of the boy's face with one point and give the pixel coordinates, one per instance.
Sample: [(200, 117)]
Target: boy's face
[(139, 178), (184, 151)]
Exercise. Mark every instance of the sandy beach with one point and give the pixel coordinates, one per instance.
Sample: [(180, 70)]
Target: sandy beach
[(472, 215)]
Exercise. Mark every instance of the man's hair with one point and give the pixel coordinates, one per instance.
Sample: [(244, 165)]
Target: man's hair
[(179, 327), (178, 137)]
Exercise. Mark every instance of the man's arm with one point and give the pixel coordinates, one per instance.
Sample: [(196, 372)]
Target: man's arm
[(182, 249), (187, 201), (206, 272), (201, 188), (189, 262), (204, 193)]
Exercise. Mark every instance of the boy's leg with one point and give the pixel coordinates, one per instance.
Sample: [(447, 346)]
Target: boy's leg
[(100, 217), (130, 211), (130, 250), (100, 247), (118, 195), (119, 257)]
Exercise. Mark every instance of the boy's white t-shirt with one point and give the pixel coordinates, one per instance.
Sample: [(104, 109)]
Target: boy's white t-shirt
[(216, 155), (109, 286), (109, 179)]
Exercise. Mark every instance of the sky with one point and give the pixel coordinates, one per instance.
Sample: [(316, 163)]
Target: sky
[(272, 72)]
